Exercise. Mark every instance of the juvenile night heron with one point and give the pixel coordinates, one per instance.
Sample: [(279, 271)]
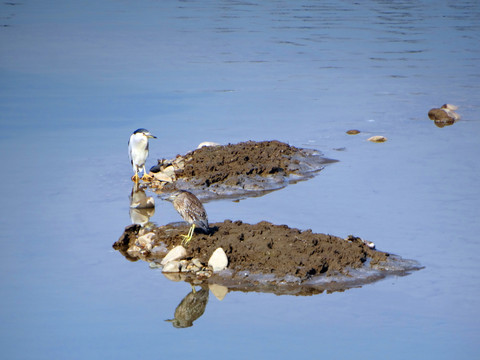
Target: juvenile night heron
[(191, 210), (138, 151)]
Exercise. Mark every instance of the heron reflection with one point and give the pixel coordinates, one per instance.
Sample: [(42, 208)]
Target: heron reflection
[(142, 207), (190, 308)]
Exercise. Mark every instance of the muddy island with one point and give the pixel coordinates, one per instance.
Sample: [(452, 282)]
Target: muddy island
[(245, 169), (266, 257)]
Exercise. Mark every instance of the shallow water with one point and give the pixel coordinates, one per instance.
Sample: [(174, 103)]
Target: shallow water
[(77, 79)]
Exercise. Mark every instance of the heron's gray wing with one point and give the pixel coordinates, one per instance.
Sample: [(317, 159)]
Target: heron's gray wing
[(130, 152)]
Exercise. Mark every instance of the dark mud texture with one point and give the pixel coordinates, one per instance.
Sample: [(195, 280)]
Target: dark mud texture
[(239, 169), (263, 256)]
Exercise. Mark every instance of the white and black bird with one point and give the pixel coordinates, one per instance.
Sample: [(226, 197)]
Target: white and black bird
[(191, 210), (138, 151)]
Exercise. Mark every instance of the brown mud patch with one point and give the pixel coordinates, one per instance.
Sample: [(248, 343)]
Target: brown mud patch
[(271, 258), (248, 168)]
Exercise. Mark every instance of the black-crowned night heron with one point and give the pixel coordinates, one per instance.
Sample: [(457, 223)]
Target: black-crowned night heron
[(191, 210), (138, 151)]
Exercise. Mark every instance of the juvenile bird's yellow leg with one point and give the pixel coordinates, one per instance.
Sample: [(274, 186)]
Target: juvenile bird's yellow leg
[(188, 237)]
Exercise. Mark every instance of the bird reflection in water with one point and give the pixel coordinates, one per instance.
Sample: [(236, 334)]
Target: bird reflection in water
[(142, 207), (190, 308)]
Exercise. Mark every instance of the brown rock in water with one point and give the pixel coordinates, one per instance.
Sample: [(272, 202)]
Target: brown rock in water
[(445, 115), (438, 114), (353, 132)]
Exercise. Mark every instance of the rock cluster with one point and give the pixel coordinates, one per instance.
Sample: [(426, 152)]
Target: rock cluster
[(176, 261), (445, 115), (137, 243)]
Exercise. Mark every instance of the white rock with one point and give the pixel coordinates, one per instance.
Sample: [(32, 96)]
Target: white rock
[(219, 291), (162, 177), (450, 107), (377, 139), (133, 249), (176, 253), (207, 143), (146, 241), (197, 262), (169, 171), (218, 261), (370, 244), (171, 267)]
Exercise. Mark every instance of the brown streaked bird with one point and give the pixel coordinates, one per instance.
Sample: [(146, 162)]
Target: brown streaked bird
[(191, 210)]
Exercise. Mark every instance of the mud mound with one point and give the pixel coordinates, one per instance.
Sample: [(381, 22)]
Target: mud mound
[(237, 169), (267, 255)]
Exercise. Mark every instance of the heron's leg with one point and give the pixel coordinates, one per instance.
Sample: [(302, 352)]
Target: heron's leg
[(145, 176), (188, 237), (135, 177)]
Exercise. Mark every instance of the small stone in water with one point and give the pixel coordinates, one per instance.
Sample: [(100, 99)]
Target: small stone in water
[(353, 132), (377, 139)]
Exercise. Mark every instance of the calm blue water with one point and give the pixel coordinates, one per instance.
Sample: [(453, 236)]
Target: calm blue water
[(77, 78)]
